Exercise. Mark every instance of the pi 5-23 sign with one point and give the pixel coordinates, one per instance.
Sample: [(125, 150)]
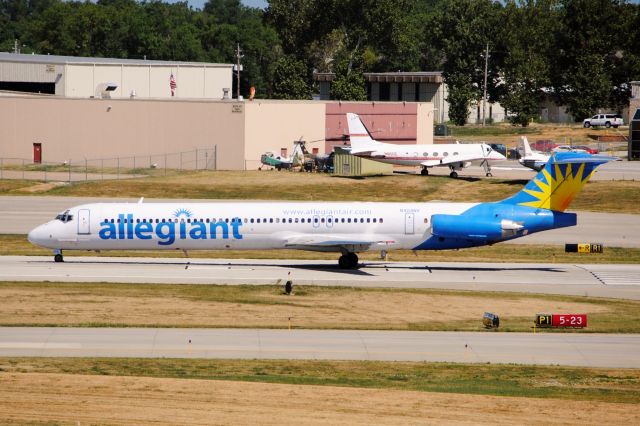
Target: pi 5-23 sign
[(561, 320)]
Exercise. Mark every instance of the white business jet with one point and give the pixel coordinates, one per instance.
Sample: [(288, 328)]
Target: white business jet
[(532, 159), (454, 156), (343, 227)]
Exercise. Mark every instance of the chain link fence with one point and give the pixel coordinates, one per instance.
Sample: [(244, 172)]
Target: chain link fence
[(75, 170)]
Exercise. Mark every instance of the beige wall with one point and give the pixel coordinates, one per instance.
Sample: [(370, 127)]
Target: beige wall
[(76, 129), (424, 123), (271, 125)]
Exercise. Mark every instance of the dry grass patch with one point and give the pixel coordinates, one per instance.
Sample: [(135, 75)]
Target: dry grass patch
[(37, 397), (80, 304)]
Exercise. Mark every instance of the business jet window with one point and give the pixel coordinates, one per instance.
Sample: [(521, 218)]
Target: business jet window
[(455, 153), (426, 154), (380, 220), (445, 154), (435, 154)]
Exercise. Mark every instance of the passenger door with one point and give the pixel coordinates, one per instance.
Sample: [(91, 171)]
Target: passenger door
[(409, 223), (83, 222)]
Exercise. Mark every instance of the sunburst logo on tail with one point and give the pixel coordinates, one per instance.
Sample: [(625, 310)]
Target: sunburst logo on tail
[(555, 187)]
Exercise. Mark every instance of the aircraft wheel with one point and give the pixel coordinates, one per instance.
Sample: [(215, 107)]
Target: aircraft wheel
[(353, 260), (348, 261), (58, 258), (424, 172), (489, 174), (453, 174)]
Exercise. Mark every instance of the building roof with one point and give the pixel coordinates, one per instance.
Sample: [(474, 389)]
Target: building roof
[(404, 77), (61, 60), (390, 77)]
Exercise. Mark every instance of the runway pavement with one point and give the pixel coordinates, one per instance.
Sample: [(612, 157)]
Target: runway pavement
[(571, 349), (615, 281), (613, 230)]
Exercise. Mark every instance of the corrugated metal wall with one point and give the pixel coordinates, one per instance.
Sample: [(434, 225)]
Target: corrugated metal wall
[(41, 73), (349, 165)]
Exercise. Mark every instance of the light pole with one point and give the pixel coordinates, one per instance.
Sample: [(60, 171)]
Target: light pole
[(484, 95)]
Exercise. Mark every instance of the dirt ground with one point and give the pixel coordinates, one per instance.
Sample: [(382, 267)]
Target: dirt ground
[(78, 399), (264, 308)]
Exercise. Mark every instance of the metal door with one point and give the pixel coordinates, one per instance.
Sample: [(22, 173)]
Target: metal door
[(37, 153), (83, 221), (408, 223)]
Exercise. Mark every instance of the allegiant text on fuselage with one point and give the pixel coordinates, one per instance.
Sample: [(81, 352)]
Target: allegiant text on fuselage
[(166, 232)]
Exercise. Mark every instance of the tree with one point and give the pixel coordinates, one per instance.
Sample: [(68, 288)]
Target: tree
[(462, 30), (289, 79), (591, 48), (526, 71), (349, 84)]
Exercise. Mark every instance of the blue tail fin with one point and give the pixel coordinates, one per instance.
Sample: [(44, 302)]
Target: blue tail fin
[(558, 183)]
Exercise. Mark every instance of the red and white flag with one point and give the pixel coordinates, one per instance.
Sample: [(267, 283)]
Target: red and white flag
[(172, 84)]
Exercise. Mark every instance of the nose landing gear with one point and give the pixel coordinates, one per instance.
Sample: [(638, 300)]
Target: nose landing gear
[(348, 261), (57, 256)]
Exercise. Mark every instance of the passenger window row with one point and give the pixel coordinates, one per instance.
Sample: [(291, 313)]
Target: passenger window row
[(254, 220)]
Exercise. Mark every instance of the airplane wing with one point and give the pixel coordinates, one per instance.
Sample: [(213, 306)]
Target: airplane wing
[(335, 242)]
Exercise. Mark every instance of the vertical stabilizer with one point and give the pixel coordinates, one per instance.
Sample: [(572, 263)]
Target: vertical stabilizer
[(360, 137), (527, 152), (558, 183)]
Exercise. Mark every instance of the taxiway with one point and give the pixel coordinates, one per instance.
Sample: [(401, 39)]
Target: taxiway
[(615, 281), (571, 349)]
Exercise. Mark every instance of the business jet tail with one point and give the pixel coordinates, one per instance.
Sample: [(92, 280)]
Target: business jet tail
[(527, 152), (361, 140), (558, 183)]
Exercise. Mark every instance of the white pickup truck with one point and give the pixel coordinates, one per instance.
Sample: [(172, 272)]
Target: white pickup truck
[(606, 120)]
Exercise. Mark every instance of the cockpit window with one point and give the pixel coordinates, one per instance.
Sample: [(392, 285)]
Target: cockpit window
[(65, 217)]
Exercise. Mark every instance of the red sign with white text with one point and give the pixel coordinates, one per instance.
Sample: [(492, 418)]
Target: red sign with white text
[(569, 320)]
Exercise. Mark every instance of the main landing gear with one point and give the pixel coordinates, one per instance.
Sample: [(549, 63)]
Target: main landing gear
[(453, 174), (57, 256), (348, 261), (487, 168), (424, 171)]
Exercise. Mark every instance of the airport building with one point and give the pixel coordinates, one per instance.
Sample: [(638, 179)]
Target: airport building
[(229, 135), (78, 77), (414, 87), (62, 111)]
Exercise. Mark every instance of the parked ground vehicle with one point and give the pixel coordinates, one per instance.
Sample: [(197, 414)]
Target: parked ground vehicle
[(568, 148), (606, 120), (587, 148), (543, 145), (511, 153)]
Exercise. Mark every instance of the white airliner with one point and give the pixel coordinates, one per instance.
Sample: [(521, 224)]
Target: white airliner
[(454, 156), (343, 227), (532, 159)]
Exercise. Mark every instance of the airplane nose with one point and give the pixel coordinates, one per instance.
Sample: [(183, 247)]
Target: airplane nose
[(38, 235)]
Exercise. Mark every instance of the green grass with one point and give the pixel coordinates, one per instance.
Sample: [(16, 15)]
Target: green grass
[(492, 130), (569, 383), (17, 245), (310, 303)]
